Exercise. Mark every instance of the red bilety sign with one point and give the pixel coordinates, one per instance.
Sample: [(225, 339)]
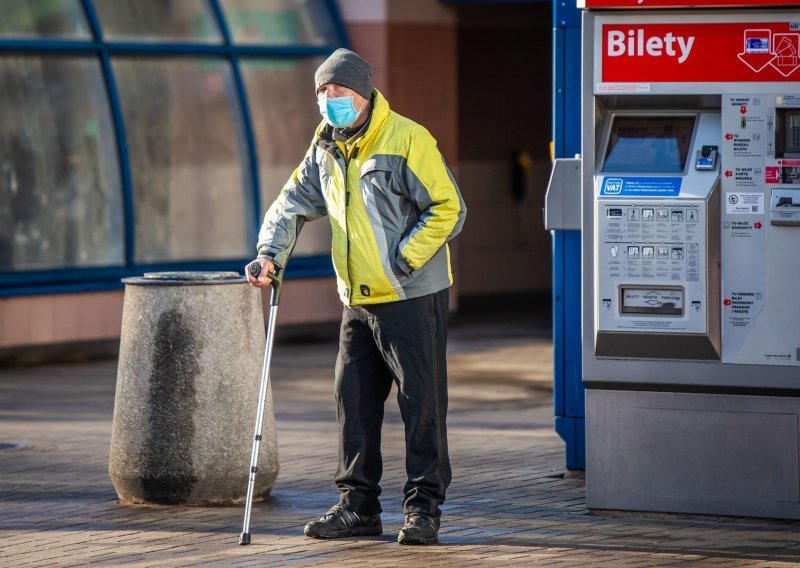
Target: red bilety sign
[(697, 52)]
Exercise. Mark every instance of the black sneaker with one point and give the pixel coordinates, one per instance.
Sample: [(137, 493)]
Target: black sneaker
[(339, 522), (419, 529)]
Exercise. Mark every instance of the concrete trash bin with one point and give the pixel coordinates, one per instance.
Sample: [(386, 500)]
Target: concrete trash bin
[(190, 359)]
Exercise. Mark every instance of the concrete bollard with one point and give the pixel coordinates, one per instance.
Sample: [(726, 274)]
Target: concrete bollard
[(190, 360)]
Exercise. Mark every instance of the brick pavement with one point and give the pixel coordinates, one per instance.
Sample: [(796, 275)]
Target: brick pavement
[(509, 505)]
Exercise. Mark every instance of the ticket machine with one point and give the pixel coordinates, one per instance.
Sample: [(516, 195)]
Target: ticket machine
[(690, 220)]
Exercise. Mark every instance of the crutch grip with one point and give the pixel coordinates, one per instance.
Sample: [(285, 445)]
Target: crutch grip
[(254, 268)]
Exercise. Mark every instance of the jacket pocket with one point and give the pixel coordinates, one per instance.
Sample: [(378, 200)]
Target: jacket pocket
[(387, 208), (401, 266), (379, 179)]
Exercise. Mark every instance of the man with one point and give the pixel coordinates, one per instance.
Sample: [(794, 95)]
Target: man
[(393, 206)]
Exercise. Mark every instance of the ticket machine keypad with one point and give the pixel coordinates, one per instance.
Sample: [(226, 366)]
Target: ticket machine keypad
[(649, 241), (650, 264)]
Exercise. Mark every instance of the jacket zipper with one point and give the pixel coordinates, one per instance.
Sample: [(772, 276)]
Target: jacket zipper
[(347, 159)]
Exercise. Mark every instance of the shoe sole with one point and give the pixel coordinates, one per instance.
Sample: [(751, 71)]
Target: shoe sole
[(418, 540), (355, 531)]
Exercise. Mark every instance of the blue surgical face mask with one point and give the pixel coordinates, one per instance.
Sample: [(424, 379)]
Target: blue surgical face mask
[(338, 112)]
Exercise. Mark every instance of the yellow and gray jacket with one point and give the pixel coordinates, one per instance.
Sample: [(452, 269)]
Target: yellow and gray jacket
[(392, 203)]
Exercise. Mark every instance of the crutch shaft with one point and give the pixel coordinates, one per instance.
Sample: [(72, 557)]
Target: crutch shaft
[(262, 400)]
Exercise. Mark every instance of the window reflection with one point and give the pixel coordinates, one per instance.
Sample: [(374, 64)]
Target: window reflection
[(152, 20), (60, 195), (43, 18), (285, 115), (187, 159), (279, 22)]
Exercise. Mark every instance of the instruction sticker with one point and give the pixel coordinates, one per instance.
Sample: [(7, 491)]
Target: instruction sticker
[(623, 88), (642, 186), (744, 203)]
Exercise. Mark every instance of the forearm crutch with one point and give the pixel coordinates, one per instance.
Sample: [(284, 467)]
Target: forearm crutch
[(275, 297)]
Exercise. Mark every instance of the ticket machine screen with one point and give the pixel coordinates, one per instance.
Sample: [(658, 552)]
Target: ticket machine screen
[(649, 144)]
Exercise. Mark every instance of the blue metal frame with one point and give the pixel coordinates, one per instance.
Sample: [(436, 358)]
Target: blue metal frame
[(119, 129), (163, 48), (40, 282), (338, 23), (108, 277), (568, 391)]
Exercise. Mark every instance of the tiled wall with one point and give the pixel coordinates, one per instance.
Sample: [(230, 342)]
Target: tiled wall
[(504, 83), (38, 320), (503, 247)]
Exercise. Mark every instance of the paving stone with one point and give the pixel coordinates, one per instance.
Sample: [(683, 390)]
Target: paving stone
[(507, 505)]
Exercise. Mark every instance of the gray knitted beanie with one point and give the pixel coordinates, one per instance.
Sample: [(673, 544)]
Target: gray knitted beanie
[(346, 68)]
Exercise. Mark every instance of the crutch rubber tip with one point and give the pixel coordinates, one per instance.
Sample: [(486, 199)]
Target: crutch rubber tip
[(244, 538)]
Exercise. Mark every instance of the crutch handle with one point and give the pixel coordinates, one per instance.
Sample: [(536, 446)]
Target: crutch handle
[(254, 268)]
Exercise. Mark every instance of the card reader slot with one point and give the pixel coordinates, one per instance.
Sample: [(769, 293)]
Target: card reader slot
[(785, 207)]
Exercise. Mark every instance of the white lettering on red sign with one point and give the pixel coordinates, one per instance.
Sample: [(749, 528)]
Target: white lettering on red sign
[(634, 44)]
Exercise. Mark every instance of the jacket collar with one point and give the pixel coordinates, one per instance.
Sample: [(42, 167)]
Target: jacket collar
[(379, 115)]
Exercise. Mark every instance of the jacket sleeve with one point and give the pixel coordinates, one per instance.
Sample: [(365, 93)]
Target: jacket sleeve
[(434, 192), (300, 200)]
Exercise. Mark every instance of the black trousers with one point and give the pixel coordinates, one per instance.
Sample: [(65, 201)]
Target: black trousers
[(404, 342)]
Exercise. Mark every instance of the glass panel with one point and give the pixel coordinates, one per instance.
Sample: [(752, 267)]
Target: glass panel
[(43, 18), (285, 114), (157, 20), (280, 22), (60, 195), (187, 156)]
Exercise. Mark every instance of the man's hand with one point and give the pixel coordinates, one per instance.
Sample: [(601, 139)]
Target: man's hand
[(263, 280)]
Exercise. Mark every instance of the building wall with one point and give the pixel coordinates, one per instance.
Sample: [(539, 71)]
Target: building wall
[(504, 87), (66, 318)]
